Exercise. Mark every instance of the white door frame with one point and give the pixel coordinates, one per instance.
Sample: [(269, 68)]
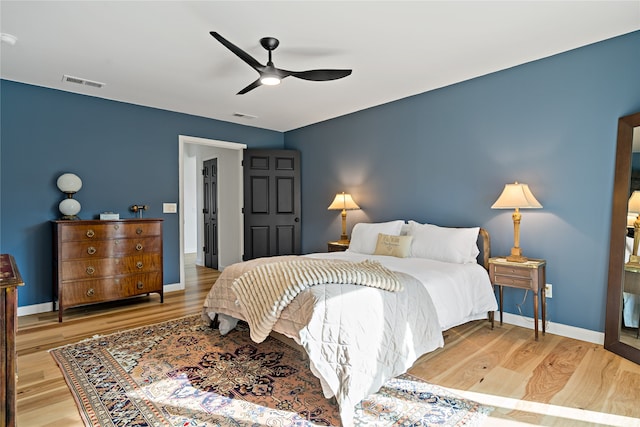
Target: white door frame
[(234, 169)]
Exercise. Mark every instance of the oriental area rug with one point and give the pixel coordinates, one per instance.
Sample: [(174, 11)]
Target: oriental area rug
[(183, 373)]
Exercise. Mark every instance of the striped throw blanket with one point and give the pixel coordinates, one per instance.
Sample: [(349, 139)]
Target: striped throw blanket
[(264, 291)]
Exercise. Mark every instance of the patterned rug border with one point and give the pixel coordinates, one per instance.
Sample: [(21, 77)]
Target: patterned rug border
[(377, 409), (481, 408)]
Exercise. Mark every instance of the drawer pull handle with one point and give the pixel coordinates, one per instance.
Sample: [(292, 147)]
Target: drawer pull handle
[(90, 270), (91, 250), (139, 247), (116, 226), (138, 230), (90, 292), (139, 285), (90, 233), (139, 264)]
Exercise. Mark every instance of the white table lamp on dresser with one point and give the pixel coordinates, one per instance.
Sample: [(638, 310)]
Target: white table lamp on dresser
[(69, 184)]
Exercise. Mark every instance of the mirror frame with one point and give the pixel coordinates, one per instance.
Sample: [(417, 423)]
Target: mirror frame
[(621, 186)]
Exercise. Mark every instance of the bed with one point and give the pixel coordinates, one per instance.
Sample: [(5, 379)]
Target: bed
[(359, 335)]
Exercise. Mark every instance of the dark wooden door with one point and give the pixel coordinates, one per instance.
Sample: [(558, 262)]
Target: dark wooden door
[(272, 217), (210, 211)]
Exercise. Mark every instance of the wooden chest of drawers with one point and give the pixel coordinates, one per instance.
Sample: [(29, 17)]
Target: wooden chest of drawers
[(97, 261)]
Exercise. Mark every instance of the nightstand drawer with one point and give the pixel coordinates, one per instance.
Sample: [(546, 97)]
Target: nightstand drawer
[(505, 270), (517, 282)]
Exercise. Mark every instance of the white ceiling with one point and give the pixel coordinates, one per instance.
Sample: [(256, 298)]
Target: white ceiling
[(160, 53)]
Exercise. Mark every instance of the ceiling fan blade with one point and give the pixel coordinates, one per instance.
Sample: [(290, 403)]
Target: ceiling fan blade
[(253, 63), (250, 87), (320, 75)]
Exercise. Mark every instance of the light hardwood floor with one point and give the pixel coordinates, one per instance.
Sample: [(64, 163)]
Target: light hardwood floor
[(553, 382)]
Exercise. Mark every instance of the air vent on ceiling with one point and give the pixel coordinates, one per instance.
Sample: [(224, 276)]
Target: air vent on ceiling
[(244, 116), (79, 81)]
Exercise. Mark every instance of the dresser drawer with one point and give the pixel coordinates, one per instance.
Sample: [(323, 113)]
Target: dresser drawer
[(105, 267), (108, 230), (113, 288), (109, 248)]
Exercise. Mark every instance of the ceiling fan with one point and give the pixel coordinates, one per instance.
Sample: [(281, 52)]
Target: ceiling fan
[(269, 74)]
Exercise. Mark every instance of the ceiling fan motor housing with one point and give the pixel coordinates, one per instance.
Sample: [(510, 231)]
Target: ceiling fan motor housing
[(269, 43)]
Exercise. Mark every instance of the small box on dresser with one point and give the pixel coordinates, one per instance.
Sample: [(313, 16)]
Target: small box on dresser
[(98, 261)]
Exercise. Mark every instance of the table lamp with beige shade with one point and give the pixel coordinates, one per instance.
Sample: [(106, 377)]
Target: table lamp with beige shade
[(516, 196), (343, 202)]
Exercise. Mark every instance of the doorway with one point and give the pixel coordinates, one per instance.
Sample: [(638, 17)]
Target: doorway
[(192, 152)]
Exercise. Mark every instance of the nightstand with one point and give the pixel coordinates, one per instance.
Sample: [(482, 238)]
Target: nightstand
[(523, 275), (338, 246)]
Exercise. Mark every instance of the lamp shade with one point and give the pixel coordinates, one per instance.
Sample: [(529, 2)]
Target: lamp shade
[(69, 207), (634, 203), (343, 201), (69, 183), (516, 196)]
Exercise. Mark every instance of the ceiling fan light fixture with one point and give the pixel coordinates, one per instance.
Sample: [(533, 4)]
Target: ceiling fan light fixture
[(270, 80)]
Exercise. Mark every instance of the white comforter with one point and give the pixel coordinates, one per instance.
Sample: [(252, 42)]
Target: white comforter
[(358, 337)]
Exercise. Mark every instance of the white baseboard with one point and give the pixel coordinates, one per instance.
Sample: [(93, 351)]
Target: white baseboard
[(173, 287), (554, 328), (48, 306), (35, 309)]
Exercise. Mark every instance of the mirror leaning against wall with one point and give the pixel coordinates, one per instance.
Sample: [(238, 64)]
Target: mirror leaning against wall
[(623, 293)]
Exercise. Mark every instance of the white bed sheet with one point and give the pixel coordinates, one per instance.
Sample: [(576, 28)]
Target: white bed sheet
[(460, 292), (356, 337)]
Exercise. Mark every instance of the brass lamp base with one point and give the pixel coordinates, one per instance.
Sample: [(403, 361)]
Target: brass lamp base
[(344, 237), (69, 217), (516, 256)]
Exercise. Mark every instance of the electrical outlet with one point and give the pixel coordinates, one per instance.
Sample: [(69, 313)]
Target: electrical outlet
[(548, 289)]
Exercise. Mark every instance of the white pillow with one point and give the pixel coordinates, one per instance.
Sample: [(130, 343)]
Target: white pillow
[(457, 245), (364, 236)]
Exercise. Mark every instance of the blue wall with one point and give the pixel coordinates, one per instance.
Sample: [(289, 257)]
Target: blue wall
[(125, 154), (445, 155)]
